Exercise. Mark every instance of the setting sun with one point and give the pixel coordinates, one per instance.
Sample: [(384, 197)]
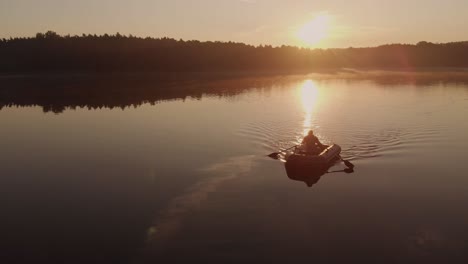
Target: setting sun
[(315, 30)]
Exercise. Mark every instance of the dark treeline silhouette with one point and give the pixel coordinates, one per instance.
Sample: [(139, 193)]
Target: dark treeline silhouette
[(52, 52)]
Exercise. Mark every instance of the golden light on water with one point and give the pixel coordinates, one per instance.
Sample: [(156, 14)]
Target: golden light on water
[(315, 30), (309, 95)]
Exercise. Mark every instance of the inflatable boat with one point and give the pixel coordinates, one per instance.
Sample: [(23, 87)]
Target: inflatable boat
[(298, 157)]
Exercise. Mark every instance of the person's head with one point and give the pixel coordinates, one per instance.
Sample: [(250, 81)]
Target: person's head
[(311, 132)]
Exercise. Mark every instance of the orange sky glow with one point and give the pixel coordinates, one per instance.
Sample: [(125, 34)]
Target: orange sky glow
[(305, 23)]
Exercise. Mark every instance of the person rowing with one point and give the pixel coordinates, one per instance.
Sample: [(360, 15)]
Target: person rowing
[(312, 144), (311, 152)]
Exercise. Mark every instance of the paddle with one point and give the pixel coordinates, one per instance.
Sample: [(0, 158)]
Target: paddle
[(347, 170), (275, 155), (347, 163)]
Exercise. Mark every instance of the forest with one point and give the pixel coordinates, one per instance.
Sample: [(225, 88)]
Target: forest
[(51, 52)]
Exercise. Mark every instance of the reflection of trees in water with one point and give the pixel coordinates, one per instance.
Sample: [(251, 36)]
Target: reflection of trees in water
[(56, 93)]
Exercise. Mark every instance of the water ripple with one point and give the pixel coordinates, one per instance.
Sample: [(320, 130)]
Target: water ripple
[(357, 143), (270, 136)]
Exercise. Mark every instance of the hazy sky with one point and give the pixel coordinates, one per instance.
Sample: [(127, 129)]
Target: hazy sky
[(351, 23)]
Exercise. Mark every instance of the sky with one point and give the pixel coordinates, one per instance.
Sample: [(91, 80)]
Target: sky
[(307, 23)]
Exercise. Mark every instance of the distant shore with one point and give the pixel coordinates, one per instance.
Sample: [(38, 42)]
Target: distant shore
[(339, 73), (51, 52)]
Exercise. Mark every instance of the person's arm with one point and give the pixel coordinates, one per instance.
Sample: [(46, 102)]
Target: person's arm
[(322, 146)]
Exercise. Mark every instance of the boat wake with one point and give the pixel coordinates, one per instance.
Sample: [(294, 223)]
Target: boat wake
[(388, 142), (170, 220), (357, 144)]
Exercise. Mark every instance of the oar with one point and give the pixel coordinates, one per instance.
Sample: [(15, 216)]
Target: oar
[(347, 170), (347, 163), (275, 155)]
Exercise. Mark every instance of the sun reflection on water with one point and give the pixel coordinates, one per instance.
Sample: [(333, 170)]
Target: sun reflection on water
[(309, 95)]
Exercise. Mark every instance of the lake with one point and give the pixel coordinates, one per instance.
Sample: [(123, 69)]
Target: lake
[(115, 171)]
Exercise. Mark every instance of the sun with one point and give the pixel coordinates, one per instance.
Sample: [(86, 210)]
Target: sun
[(315, 30)]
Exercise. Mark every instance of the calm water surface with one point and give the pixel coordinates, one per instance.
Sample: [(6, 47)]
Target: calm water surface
[(188, 179)]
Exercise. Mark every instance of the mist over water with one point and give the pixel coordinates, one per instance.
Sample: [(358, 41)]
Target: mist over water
[(183, 176)]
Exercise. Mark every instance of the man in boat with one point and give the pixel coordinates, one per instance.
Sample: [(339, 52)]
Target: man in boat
[(312, 144)]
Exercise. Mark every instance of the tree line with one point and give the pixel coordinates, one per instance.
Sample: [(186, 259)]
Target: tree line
[(52, 52)]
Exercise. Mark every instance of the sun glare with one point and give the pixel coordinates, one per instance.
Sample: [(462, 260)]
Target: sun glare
[(309, 95), (315, 30)]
